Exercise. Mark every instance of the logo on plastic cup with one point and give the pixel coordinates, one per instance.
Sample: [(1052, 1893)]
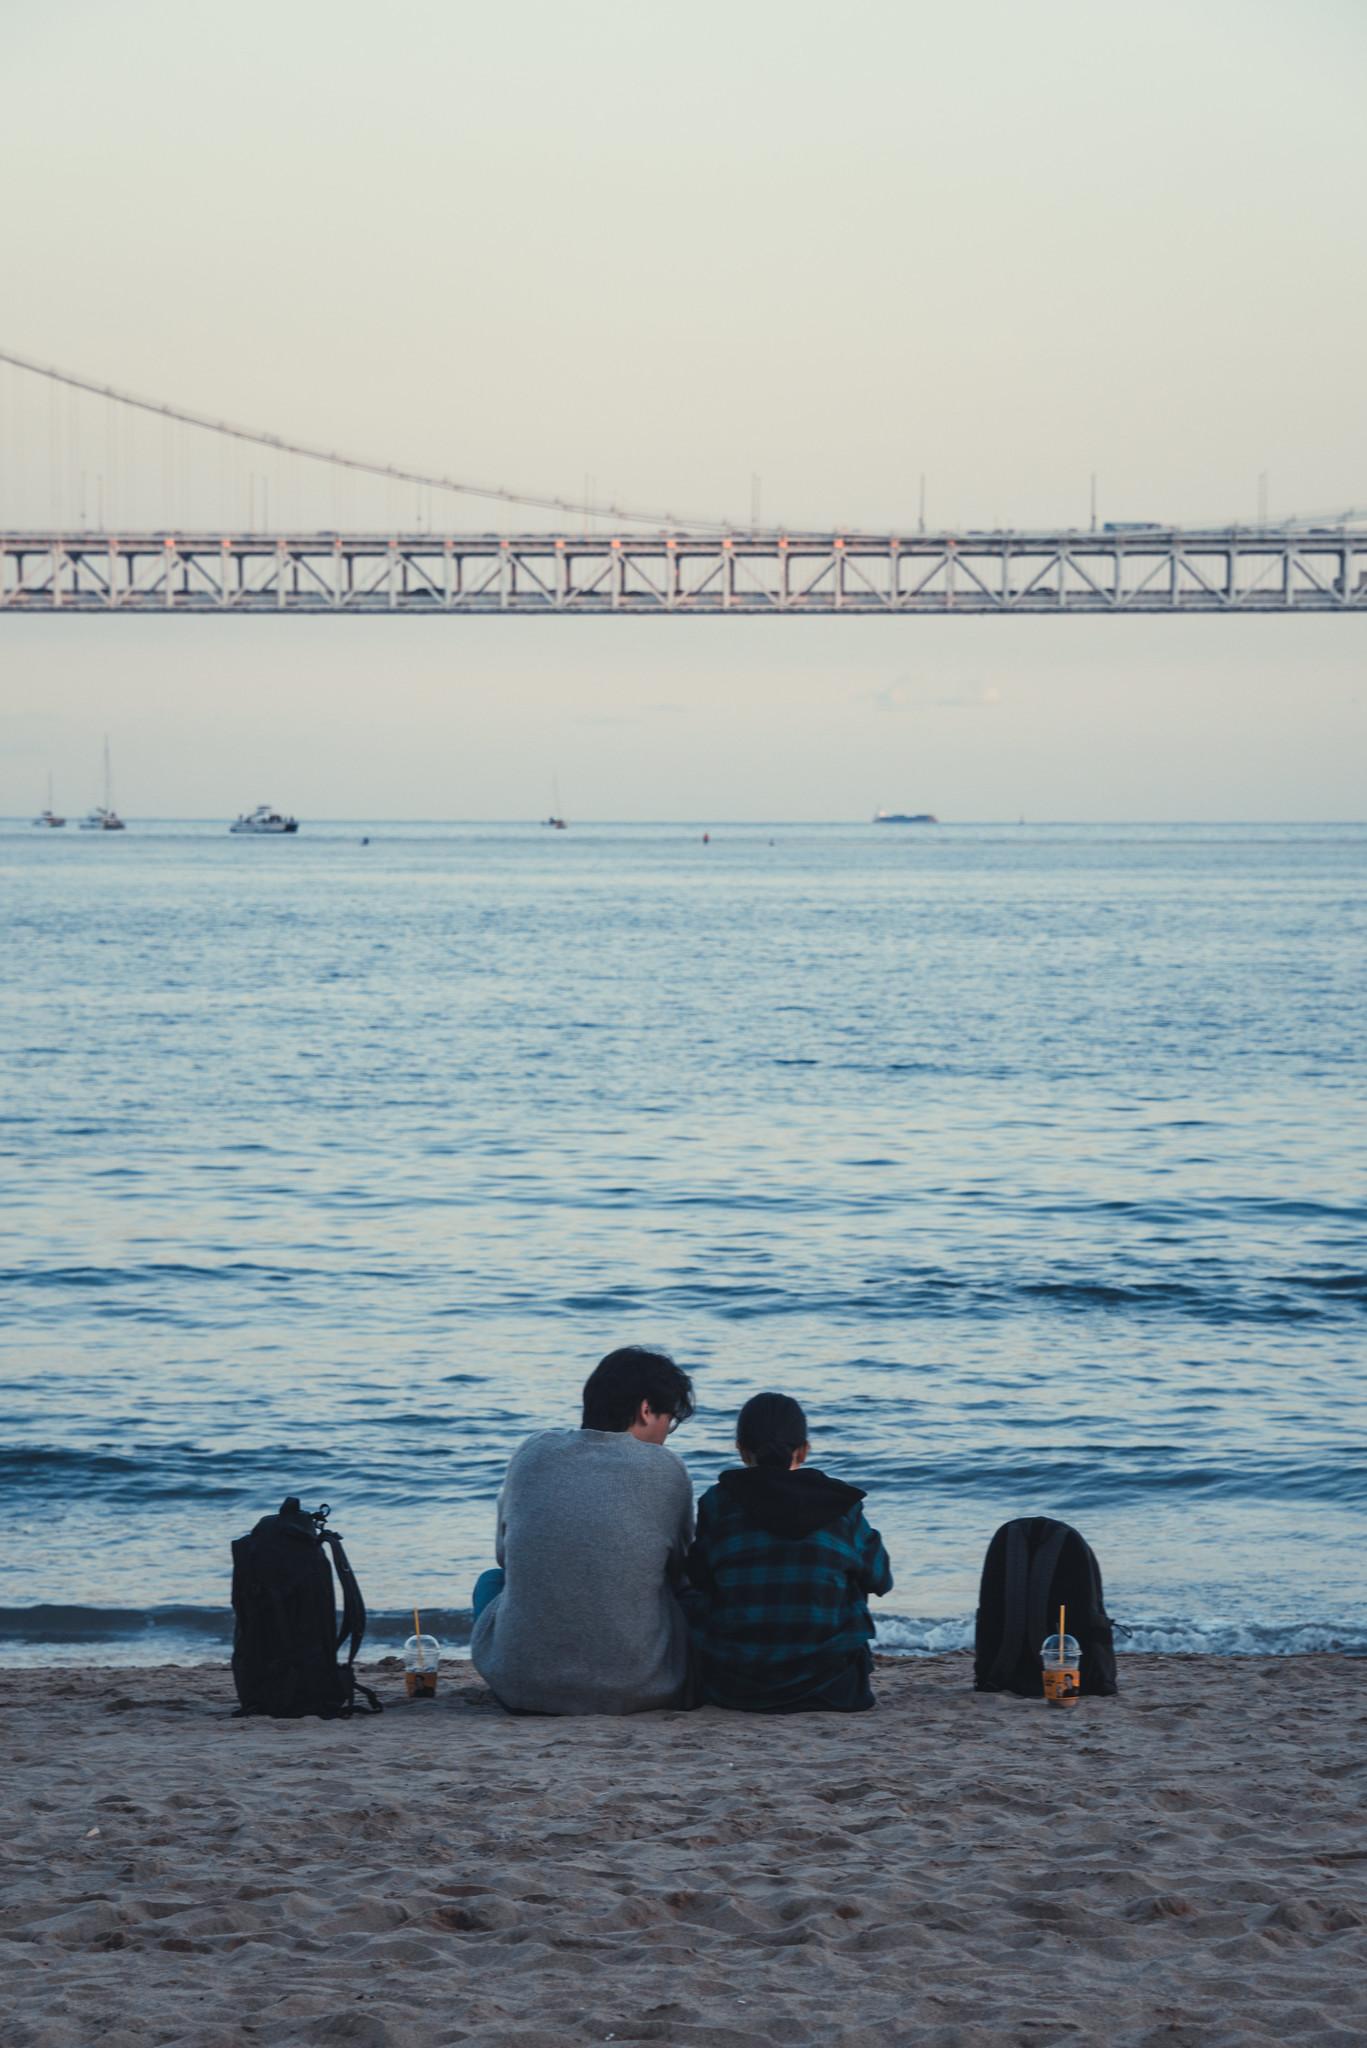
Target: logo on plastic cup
[(1061, 1661)]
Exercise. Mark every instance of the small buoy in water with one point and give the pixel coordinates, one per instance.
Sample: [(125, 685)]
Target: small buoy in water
[(707, 839), (365, 842)]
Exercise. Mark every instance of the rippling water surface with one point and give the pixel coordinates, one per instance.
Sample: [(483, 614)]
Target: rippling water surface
[(1030, 1159)]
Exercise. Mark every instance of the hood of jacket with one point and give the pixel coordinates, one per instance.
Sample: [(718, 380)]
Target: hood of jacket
[(791, 1504)]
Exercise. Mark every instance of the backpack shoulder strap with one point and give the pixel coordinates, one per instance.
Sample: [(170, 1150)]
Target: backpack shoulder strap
[(1042, 1568), (1014, 1583), (352, 1626)]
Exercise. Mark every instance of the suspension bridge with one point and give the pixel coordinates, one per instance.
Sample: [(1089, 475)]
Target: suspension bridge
[(97, 551)]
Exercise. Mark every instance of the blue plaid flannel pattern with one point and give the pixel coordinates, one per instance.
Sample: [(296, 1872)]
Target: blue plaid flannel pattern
[(769, 1602)]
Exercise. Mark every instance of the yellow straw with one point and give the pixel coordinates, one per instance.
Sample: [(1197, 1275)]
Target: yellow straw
[(417, 1630), (1062, 1615)]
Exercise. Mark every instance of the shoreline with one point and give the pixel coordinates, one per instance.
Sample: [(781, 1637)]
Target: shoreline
[(109, 1660), (50, 1636), (1182, 1864), (458, 1668)]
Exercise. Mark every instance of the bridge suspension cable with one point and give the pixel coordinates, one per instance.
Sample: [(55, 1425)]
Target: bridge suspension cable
[(392, 472), (1312, 522)]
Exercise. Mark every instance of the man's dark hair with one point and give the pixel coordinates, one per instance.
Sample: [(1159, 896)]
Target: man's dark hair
[(615, 1389), (771, 1427)]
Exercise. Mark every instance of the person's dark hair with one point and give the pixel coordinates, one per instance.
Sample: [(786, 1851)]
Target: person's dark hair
[(615, 1389), (771, 1427)]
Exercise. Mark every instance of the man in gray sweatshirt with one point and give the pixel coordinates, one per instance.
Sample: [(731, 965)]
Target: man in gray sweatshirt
[(594, 1525)]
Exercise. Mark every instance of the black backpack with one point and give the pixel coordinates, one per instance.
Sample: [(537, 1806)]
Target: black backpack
[(286, 1634), (1033, 1567)]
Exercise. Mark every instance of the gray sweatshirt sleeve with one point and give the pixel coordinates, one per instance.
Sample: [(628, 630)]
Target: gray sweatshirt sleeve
[(501, 1512), (683, 1535)]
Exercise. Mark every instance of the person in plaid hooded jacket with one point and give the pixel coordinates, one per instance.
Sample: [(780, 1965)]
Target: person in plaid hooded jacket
[(782, 1567)]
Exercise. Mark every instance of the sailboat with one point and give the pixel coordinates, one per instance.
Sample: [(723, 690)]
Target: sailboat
[(104, 818), (557, 817), (49, 816)]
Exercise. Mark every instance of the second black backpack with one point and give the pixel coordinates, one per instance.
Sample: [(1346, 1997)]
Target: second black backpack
[(286, 1634), (1032, 1567)]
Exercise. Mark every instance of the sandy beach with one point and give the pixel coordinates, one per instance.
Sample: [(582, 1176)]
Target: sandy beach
[(1187, 1863)]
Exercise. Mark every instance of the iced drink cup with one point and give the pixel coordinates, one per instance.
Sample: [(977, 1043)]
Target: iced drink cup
[(421, 1656), (1061, 1658)]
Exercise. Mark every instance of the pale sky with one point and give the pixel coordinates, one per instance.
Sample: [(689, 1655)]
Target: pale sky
[(668, 251)]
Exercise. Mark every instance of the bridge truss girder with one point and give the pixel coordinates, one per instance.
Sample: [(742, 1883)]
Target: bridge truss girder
[(739, 575)]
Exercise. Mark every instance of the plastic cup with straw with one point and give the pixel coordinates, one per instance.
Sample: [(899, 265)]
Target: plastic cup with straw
[(1061, 1658), (421, 1658)]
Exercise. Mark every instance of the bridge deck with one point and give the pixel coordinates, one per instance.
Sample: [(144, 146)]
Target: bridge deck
[(1139, 570)]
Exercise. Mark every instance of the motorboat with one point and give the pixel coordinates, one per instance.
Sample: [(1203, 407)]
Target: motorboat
[(905, 818), (103, 817), (264, 819)]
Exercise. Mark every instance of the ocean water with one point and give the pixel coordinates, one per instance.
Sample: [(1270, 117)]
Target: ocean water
[(1031, 1159)]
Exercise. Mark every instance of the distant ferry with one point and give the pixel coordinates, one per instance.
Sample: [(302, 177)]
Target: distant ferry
[(904, 818), (264, 819)]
